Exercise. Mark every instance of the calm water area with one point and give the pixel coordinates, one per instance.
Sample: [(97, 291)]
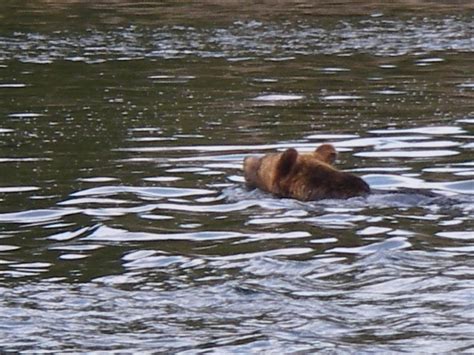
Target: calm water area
[(125, 223)]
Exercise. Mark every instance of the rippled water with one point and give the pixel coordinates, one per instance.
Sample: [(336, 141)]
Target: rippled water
[(124, 220)]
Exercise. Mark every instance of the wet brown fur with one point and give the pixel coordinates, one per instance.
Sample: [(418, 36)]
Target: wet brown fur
[(305, 177)]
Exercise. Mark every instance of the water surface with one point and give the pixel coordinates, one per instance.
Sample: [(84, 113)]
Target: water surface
[(125, 223)]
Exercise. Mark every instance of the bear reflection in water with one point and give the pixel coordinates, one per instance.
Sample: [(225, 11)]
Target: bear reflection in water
[(305, 177)]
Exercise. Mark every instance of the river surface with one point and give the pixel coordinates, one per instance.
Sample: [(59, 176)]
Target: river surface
[(125, 223)]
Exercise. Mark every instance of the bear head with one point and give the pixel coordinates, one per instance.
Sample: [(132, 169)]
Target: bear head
[(305, 177)]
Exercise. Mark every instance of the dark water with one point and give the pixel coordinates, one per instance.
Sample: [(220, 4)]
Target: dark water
[(124, 220)]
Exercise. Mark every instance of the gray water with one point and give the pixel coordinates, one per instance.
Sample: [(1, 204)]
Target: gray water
[(125, 223)]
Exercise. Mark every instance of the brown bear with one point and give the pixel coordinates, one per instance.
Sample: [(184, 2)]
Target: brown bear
[(305, 177)]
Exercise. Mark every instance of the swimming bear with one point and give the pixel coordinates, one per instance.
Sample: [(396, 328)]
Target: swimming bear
[(305, 177)]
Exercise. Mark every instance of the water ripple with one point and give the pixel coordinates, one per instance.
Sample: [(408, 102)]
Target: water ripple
[(104, 233), (244, 40), (154, 192), (388, 244), (37, 216), (11, 189), (425, 154), (388, 181), (432, 130), (126, 225), (278, 97)]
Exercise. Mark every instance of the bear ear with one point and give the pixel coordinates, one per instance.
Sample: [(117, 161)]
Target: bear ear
[(286, 162), (327, 153)]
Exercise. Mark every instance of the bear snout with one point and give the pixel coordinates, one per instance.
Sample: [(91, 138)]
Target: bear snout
[(354, 186)]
